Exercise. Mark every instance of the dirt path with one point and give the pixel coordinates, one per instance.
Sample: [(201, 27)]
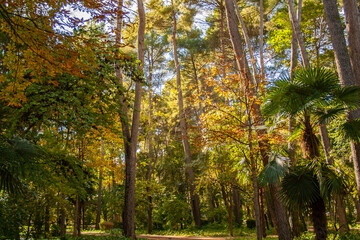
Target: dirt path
[(160, 237)]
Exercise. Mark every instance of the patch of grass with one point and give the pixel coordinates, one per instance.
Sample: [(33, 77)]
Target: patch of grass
[(211, 230)]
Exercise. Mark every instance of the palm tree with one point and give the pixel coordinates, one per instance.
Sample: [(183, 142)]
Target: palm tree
[(311, 94), (308, 186), (305, 187)]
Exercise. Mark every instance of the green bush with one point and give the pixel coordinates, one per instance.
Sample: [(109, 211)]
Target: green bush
[(250, 223)]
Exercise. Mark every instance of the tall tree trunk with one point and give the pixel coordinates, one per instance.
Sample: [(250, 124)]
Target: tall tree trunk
[(237, 206), (98, 209), (245, 73), (352, 18), (295, 25), (261, 40), (262, 213), (195, 201), (247, 41), (151, 150), (62, 222), (318, 216), (131, 138), (222, 37), (345, 71), (77, 218)]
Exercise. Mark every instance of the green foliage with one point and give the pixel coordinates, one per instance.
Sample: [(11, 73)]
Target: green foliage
[(305, 184), (11, 217), (273, 172), (176, 214), (250, 223)]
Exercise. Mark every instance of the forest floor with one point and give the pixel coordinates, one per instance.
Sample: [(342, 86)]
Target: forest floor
[(173, 237)]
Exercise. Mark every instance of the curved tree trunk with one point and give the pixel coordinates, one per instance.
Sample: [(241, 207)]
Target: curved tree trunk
[(195, 201)]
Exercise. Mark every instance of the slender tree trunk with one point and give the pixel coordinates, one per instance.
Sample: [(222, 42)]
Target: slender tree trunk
[(326, 143), (247, 41), (297, 30), (62, 222), (318, 217), (195, 201), (261, 40), (151, 150), (345, 71), (262, 213), (131, 138), (237, 42), (222, 37), (77, 218), (245, 73), (237, 206), (98, 209)]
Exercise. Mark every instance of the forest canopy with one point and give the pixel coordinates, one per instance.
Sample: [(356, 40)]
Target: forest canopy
[(191, 117)]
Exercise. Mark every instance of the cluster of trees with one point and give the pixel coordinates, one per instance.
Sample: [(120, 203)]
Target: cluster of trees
[(187, 112)]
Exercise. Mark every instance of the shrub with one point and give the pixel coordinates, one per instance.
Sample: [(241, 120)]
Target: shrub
[(106, 225), (250, 223)]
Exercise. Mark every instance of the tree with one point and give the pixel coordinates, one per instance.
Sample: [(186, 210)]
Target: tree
[(195, 201), (345, 72), (131, 137), (308, 90)]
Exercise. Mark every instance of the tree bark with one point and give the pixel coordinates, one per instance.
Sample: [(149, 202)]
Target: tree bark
[(295, 25), (261, 40), (345, 71), (318, 217), (62, 222), (151, 150), (77, 218), (247, 41), (131, 138), (352, 18), (237, 206), (262, 213), (195, 201), (98, 209)]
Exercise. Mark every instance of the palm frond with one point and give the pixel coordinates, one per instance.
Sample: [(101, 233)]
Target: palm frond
[(273, 172), (328, 115), (300, 187), (350, 96), (351, 130), (15, 156)]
